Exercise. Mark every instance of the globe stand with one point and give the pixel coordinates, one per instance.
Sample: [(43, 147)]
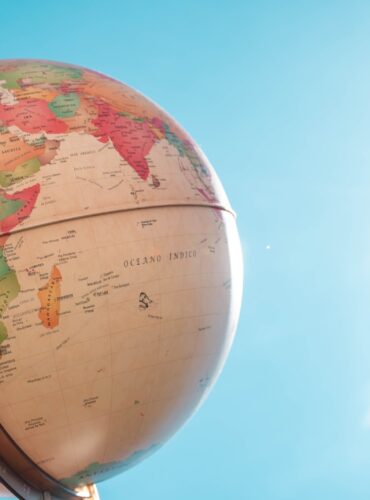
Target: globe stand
[(27, 481)]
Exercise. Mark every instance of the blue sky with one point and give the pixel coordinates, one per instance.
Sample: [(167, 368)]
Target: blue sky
[(278, 96)]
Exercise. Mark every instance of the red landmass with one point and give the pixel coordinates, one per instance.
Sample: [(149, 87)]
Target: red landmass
[(3, 240), (33, 116), (132, 139), (158, 123), (211, 199), (28, 197)]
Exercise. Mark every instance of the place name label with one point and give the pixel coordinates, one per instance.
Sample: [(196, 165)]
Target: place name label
[(144, 260)]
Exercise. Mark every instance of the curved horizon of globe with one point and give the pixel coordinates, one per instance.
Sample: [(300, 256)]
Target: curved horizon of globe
[(44, 98), (55, 112), (103, 471), (94, 349), (88, 283)]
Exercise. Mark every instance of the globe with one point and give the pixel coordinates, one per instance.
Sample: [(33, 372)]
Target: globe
[(120, 271)]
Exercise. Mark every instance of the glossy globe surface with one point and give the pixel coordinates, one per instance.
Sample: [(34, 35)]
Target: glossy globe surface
[(120, 271)]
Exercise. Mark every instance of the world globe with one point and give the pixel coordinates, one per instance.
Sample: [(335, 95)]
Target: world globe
[(120, 272)]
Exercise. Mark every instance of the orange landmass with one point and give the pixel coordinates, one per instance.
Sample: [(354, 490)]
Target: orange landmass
[(49, 296), (14, 151)]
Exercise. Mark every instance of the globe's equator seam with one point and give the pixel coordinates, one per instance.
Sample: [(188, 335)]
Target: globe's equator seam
[(57, 116), (113, 211)]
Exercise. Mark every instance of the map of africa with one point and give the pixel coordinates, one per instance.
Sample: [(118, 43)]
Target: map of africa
[(120, 271)]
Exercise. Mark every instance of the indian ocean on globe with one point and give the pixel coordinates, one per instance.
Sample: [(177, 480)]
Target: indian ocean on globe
[(120, 271)]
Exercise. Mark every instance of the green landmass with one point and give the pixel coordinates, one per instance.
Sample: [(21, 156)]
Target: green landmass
[(9, 289), (9, 207), (174, 140), (131, 116), (3, 332), (65, 105), (38, 73), (195, 160), (185, 150), (4, 268), (9, 286), (26, 169)]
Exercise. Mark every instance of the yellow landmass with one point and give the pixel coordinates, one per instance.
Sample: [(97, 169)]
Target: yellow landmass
[(14, 151)]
